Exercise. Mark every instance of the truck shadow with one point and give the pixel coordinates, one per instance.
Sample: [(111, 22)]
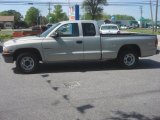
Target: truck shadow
[(120, 115), (91, 66)]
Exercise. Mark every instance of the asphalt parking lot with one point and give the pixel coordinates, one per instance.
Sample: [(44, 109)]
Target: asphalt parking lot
[(81, 91)]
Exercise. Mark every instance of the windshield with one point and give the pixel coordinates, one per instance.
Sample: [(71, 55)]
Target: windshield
[(44, 34), (109, 28)]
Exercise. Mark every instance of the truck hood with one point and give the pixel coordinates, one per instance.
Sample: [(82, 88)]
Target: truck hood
[(23, 40)]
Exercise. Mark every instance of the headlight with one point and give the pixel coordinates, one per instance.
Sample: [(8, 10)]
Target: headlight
[(5, 50)]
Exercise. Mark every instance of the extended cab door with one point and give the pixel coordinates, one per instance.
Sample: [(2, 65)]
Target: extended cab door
[(67, 46), (91, 38)]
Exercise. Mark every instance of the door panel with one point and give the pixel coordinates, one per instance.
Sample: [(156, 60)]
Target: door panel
[(92, 45), (68, 45), (92, 48), (63, 48)]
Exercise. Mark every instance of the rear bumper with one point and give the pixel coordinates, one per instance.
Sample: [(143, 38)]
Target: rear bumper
[(8, 57)]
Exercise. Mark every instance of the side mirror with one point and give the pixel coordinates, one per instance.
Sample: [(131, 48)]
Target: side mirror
[(55, 34)]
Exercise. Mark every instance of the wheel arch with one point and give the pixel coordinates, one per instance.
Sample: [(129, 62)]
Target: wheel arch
[(29, 50), (133, 47)]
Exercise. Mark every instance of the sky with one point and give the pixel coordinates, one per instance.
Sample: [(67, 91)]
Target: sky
[(110, 10)]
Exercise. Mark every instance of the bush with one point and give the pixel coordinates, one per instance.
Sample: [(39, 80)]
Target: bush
[(5, 37)]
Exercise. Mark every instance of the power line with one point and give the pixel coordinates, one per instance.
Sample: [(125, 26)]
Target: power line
[(73, 3)]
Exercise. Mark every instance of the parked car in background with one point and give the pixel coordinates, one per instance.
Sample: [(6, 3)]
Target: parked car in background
[(123, 27), (39, 28), (158, 27), (109, 29)]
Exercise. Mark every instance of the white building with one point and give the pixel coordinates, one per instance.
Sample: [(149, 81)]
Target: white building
[(6, 22)]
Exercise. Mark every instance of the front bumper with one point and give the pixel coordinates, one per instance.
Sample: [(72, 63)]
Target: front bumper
[(8, 57)]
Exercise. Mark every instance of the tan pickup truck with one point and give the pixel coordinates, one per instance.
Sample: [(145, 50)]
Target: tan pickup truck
[(78, 41)]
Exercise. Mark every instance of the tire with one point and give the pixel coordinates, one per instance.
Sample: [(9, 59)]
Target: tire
[(27, 63), (128, 59)]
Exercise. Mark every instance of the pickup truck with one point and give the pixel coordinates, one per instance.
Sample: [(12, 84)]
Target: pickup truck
[(78, 41)]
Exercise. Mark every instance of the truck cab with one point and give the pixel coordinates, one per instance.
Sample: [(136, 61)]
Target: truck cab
[(72, 40)]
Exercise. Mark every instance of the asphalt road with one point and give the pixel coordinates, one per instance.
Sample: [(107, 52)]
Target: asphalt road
[(81, 91)]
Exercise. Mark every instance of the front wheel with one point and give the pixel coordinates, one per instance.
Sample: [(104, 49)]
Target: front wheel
[(27, 62), (128, 59)]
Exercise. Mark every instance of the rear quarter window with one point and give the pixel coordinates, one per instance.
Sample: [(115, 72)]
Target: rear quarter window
[(88, 29)]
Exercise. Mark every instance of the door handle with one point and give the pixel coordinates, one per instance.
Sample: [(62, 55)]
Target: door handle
[(47, 48), (79, 42)]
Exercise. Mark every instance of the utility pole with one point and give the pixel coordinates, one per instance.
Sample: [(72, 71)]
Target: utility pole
[(49, 8), (69, 9), (141, 11), (156, 15), (152, 16), (40, 16)]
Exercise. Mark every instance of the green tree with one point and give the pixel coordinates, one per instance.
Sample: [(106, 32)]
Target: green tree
[(124, 17), (43, 20), (17, 15), (94, 7), (88, 16), (50, 18), (106, 17), (57, 15), (32, 15)]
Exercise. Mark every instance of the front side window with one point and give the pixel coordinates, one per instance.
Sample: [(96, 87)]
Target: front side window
[(44, 34), (88, 29), (68, 30)]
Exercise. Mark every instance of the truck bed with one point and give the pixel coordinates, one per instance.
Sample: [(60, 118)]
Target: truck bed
[(125, 35)]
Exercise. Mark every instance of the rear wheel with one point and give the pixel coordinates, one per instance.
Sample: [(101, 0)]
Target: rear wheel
[(27, 62), (128, 59)]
